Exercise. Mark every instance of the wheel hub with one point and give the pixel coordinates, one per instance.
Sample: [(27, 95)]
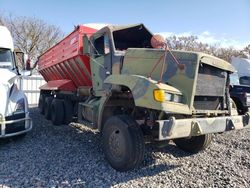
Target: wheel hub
[(116, 144)]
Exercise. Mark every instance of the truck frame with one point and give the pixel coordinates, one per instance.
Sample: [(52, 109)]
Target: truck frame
[(115, 81)]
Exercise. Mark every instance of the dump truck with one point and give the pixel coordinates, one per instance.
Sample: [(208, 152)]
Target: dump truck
[(117, 81), (14, 114)]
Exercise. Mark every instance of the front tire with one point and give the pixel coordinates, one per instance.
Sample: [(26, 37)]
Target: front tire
[(194, 144), (123, 143)]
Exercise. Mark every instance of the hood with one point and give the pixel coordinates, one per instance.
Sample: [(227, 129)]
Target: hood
[(4, 93), (242, 66), (240, 88), (6, 81), (7, 76), (143, 62), (216, 62)]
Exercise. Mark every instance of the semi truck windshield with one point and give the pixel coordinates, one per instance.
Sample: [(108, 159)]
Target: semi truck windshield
[(5, 58)]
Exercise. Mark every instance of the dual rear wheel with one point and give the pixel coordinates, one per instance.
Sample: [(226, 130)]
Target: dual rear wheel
[(59, 111)]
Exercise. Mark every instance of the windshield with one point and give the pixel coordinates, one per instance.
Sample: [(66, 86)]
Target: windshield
[(245, 80), (132, 37), (234, 79), (5, 58)]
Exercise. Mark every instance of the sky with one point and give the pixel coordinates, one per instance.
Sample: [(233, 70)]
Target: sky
[(224, 22)]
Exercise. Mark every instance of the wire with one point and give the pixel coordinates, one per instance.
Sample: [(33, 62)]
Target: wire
[(180, 66)]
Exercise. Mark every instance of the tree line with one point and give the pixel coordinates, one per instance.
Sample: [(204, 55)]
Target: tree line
[(34, 36), (191, 43), (31, 35)]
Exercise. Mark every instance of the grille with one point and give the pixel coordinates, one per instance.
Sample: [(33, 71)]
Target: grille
[(206, 103), (248, 100), (15, 127), (210, 88)]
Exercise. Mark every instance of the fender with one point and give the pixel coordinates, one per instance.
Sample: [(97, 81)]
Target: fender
[(142, 89)]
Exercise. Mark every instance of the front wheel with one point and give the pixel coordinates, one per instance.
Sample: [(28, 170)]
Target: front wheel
[(194, 144), (123, 143)]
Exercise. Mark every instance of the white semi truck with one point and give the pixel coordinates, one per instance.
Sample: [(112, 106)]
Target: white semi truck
[(14, 114)]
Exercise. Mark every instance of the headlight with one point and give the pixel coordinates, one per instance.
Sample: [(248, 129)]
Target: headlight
[(177, 98), (161, 96), (168, 96), (20, 107)]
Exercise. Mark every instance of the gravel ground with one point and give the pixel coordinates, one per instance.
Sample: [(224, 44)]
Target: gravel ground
[(67, 156)]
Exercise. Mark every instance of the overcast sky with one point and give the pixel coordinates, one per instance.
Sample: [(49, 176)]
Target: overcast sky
[(215, 21)]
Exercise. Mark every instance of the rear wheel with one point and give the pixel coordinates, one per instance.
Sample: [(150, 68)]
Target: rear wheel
[(41, 103), (123, 143), (194, 144), (47, 107), (57, 112), (68, 111)]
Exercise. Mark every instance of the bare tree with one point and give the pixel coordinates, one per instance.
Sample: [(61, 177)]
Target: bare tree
[(247, 50), (1, 20), (191, 43), (31, 35)]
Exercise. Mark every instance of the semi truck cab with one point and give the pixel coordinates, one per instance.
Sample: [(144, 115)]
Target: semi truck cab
[(14, 114)]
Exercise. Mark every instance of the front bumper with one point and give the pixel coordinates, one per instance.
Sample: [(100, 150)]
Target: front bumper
[(180, 128), (15, 125)]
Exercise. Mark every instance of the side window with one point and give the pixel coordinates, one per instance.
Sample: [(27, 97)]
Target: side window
[(20, 61), (106, 45), (102, 45)]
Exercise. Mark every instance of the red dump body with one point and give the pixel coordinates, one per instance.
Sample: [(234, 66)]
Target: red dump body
[(64, 66)]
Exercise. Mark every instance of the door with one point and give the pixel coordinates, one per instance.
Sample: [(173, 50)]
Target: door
[(101, 62)]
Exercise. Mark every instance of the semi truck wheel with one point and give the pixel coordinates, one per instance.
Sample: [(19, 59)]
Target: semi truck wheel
[(68, 111), (47, 107), (123, 143), (57, 111), (41, 103), (194, 144)]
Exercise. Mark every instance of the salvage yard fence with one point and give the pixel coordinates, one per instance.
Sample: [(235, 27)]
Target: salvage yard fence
[(30, 85)]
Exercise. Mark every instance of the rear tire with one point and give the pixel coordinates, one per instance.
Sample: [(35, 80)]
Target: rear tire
[(41, 103), (195, 143), (47, 107), (57, 112), (123, 143), (68, 111)]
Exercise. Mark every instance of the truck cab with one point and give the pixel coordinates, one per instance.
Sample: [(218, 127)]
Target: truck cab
[(14, 115), (240, 93)]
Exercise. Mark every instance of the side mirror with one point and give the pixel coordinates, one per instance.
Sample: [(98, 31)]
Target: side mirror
[(26, 60), (85, 41), (22, 61)]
